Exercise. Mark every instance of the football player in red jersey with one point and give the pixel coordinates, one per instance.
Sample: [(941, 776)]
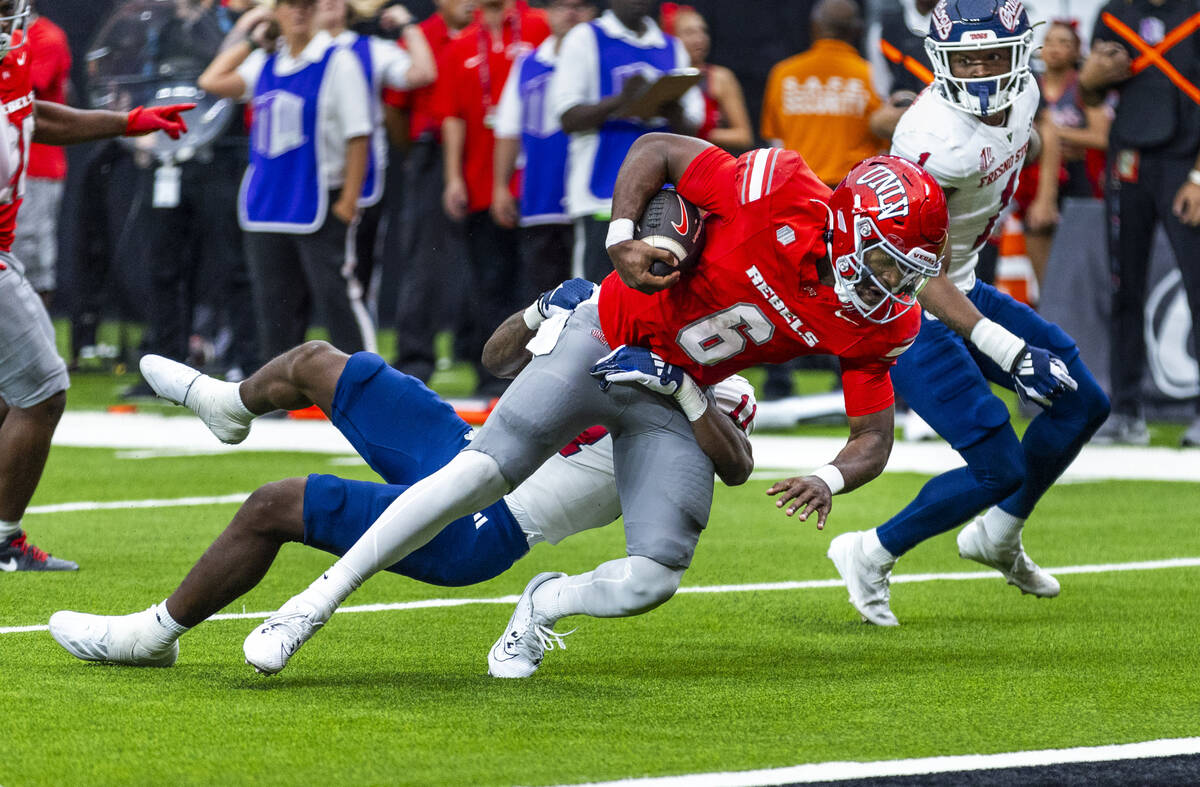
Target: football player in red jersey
[(789, 268), (33, 379)]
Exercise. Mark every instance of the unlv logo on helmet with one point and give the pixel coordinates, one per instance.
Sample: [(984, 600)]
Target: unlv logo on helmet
[(887, 186), (1010, 14)]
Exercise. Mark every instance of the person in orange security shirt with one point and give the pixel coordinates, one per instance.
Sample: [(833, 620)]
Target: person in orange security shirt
[(819, 103), (472, 77)]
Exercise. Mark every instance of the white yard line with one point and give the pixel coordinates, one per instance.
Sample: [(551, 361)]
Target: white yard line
[(146, 436), (842, 771), (1103, 568)]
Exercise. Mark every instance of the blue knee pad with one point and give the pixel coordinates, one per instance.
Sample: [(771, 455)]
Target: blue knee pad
[(467, 551)]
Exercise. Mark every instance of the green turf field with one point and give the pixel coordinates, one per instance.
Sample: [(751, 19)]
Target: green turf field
[(709, 682)]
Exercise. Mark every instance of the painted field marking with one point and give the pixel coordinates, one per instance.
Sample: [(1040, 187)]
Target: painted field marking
[(841, 771), (106, 505), (1100, 568)]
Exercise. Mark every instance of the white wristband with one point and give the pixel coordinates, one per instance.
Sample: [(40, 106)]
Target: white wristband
[(619, 231), (831, 476), (997, 342), (691, 399), (533, 316), (1194, 177)]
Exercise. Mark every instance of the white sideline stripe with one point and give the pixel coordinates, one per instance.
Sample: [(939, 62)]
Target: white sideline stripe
[(92, 505), (841, 771), (433, 603)]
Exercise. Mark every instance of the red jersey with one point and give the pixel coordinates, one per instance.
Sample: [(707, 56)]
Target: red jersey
[(422, 119), (476, 67), (16, 96), (755, 296), (51, 67)]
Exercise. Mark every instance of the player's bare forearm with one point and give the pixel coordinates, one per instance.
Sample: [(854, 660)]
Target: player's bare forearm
[(653, 160), (59, 124), (946, 302), (867, 449), (725, 444), (504, 354)]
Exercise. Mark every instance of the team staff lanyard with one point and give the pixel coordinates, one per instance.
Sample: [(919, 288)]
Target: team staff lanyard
[(485, 67)]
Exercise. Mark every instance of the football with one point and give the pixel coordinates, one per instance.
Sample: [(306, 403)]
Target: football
[(670, 222)]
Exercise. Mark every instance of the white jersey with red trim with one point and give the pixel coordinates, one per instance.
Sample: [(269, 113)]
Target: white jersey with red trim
[(977, 164), (576, 489), (16, 132)]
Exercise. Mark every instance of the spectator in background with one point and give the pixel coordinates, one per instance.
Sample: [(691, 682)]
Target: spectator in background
[(896, 47), (385, 65), (429, 246), (473, 74), (611, 62), (528, 129), (726, 120), (308, 161), (1074, 136), (1154, 178), (194, 241), (36, 240), (819, 103)]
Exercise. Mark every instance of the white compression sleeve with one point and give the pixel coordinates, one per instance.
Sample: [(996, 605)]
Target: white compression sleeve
[(616, 589), (471, 481)]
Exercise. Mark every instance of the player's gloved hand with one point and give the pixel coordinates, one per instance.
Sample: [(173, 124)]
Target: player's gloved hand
[(168, 119), (563, 298), (638, 365), (1041, 376)]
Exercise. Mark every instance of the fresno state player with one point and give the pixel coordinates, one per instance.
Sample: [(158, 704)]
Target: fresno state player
[(971, 130), (33, 379), (765, 289)]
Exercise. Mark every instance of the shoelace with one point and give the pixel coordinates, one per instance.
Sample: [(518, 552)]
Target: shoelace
[(548, 638), (29, 549), (297, 625)]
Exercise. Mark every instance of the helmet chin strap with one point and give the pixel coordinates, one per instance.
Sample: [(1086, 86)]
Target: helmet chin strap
[(839, 287)]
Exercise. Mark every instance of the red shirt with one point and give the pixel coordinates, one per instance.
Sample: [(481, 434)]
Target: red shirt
[(755, 296), (419, 103), (16, 96), (51, 67), (476, 67)]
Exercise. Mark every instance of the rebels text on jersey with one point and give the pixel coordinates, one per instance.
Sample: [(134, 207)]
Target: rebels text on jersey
[(16, 97), (979, 163), (755, 296)]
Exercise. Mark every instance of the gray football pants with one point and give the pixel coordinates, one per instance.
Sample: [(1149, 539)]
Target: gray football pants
[(664, 480)]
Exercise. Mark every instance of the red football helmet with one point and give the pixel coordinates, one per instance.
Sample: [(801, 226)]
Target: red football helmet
[(888, 225)]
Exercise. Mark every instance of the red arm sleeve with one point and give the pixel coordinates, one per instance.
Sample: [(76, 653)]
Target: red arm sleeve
[(866, 385), (710, 182)]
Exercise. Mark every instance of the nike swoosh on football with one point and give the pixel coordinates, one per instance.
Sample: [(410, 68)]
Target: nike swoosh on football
[(10, 565), (683, 212)]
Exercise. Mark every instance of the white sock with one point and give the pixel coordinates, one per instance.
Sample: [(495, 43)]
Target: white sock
[(9, 529), (1002, 527), (219, 396), (163, 626), (616, 589), (332, 588), (875, 551)]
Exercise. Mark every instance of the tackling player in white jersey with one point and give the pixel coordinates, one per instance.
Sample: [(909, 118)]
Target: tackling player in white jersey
[(972, 129), (404, 431), (33, 379)]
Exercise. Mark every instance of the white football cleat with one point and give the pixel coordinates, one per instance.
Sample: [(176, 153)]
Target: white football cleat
[(183, 385), (269, 647), (869, 584), (519, 651), (116, 639), (1011, 561)]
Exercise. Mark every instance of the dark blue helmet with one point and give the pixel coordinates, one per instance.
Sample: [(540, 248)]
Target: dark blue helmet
[(965, 25)]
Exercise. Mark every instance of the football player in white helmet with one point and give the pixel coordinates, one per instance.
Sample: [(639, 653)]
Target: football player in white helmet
[(404, 431), (972, 129)]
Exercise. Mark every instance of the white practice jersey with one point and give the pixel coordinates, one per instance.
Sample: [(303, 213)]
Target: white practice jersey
[(979, 163), (576, 489)]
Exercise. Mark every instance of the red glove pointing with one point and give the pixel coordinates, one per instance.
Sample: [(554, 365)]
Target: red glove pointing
[(144, 120)]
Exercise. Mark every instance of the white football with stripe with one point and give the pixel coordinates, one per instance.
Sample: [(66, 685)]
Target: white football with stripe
[(670, 222)]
